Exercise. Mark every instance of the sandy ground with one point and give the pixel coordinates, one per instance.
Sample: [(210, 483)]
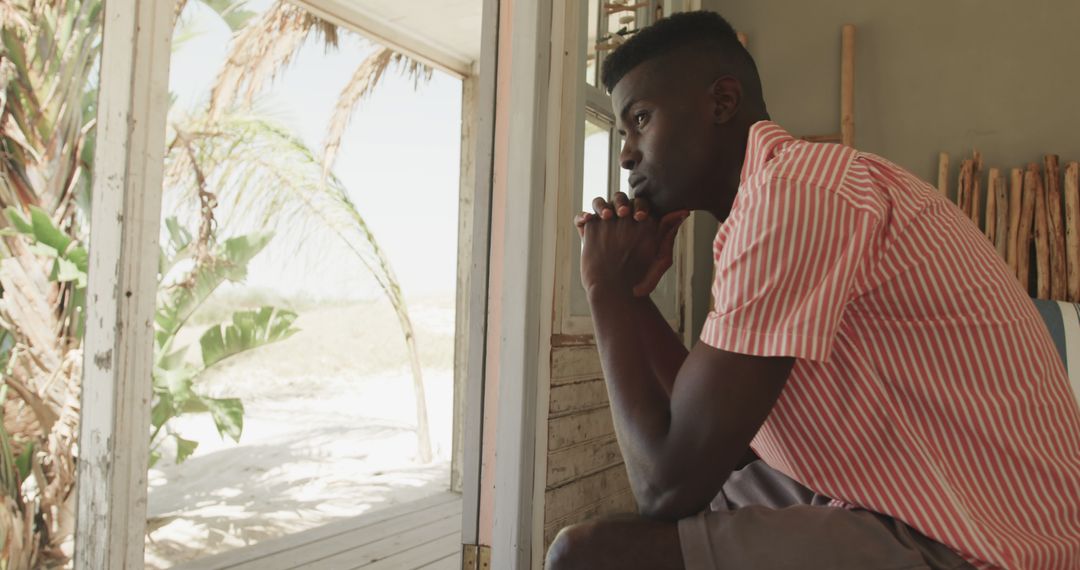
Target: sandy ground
[(328, 434)]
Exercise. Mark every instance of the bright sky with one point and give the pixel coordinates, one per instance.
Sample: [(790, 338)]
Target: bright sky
[(399, 158)]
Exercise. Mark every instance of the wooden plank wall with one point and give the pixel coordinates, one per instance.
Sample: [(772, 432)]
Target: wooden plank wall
[(586, 477)]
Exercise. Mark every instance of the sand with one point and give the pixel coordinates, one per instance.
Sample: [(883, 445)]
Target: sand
[(328, 434)]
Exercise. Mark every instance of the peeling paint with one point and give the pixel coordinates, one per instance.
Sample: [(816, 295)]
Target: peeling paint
[(103, 360)]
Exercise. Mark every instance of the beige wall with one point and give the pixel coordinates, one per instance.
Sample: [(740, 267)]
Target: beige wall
[(931, 76)]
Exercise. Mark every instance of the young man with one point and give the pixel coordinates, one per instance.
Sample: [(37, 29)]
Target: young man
[(905, 398)]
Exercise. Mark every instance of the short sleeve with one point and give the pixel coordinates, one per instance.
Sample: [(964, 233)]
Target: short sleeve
[(787, 260)]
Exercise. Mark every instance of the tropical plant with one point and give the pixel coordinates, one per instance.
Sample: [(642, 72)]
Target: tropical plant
[(259, 53), (180, 293), (48, 52)]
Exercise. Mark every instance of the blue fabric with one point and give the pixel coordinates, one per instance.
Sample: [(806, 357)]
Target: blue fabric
[(1051, 315)]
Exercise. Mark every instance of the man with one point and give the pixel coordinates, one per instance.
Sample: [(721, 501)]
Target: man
[(905, 398)]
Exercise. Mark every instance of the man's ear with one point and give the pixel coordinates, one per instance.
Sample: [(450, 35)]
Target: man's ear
[(726, 94)]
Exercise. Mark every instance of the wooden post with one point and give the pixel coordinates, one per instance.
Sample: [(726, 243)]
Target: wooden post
[(991, 204), (847, 85), (1016, 191), (1023, 240), (963, 187), (118, 352), (1055, 227), (976, 189), (1042, 237), (1001, 236), (943, 174), (1072, 230)]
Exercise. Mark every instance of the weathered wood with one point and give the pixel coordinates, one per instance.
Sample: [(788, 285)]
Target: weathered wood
[(847, 85), (360, 556), (357, 531), (463, 311), (1027, 220), (976, 190), (1055, 227), (1016, 192), (1072, 230), (577, 397), (991, 204), (565, 500), (126, 209), (943, 174), (1042, 237), (963, 186), (580, 460), (578, 428), (1001, 223), (622, 502), (575, 364)]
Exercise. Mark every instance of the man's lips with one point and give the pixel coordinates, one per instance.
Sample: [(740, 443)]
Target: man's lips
[(637, 184)]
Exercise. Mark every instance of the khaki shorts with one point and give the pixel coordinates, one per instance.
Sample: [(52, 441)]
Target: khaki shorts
[(763, 520)]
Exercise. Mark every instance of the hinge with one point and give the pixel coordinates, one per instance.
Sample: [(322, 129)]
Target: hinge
[(474, 557)]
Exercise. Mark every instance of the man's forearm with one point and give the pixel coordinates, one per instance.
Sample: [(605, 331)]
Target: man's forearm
[(641, 357)]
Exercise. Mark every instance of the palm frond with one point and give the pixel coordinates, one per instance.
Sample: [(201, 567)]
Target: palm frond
[(363, 82), (262, 50)]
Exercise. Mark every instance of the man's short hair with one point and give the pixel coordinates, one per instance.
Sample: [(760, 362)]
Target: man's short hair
[(701, 30)]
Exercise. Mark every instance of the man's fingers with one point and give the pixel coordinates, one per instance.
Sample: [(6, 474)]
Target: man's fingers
[(602, 208), (580, 220), (622, 205), (641, 209)]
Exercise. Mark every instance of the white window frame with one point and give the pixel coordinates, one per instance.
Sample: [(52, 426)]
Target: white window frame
[(593, 102)]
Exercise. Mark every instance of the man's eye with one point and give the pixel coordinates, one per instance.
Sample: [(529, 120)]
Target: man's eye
[(641, 118)]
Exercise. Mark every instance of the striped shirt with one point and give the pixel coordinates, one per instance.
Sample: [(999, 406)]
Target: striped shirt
[(926, 386)]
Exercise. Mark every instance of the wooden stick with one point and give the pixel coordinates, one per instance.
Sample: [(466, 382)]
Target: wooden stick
[(1042, 237), (1072, 231), (963, 187), (943, 174), (1055, 226), (1016, 191), (847, 85), (1001, 237), (743, 39), (976, 190), (991, 204), (1023, 240)]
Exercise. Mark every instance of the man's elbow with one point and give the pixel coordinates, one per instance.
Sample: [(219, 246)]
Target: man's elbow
[(670, 504)]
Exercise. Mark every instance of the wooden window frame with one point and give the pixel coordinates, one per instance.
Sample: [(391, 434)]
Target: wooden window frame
[(116, 399)]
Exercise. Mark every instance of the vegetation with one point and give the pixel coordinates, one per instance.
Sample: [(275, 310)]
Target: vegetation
[(262, 176)]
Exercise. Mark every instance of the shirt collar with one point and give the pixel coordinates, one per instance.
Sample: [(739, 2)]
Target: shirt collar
[(765, 141)]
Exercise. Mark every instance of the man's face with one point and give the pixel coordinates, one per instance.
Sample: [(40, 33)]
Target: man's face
[(667, 125)]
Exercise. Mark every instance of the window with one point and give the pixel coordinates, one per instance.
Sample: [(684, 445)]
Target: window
[(598, 173)]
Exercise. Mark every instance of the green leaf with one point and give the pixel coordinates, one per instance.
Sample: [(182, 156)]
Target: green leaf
[(154, 457), (184, 448), (228, 416), (25, 461), (46, 232), (177, 303), (18, 221), (162, 411), (232, 12), (67, 271), (249, 329)]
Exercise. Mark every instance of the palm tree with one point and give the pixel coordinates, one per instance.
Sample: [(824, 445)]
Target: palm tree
[(259, 53), (48, 53)]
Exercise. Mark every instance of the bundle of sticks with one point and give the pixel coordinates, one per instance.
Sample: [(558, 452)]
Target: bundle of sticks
[(1028, 213)]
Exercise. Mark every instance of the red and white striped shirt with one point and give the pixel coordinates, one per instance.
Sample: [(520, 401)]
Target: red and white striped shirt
[(926, 386)]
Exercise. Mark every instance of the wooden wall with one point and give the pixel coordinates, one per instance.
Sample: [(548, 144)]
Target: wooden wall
[(586, 477)]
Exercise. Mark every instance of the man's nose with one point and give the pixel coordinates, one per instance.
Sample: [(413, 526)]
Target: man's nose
[(629, 157)]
